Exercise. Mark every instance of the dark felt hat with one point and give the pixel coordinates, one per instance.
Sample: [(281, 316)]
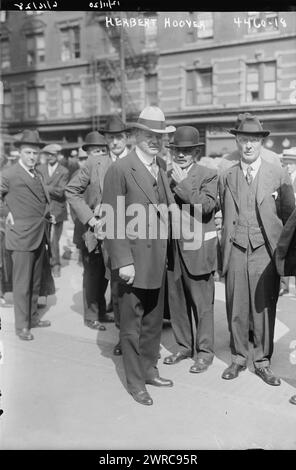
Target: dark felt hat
[(94, 139), (29, 137), (114, 125), (249, 125), (185, 136)]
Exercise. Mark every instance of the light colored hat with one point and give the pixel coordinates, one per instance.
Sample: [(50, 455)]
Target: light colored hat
[(152, 119), (53, 149), (290, 153)]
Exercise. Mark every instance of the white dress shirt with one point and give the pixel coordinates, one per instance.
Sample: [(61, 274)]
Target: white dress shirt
[(147, 160), (52, 168), (26, 169), (254, 167)]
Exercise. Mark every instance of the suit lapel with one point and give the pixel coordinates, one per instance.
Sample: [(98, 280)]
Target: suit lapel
[(30, 182), (141, 177), (101, 166), (265, 177), (232, 181)]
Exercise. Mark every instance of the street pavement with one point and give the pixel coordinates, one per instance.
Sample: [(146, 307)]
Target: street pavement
[(66, 390)]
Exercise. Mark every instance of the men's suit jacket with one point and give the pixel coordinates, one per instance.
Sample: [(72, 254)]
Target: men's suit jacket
[(199, 187), (30, 213), (129, 179), (56, 184), (286, 248), (90, 177), (234, 157), (274, 201)]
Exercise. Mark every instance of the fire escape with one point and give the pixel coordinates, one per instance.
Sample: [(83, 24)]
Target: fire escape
[(125, 64)]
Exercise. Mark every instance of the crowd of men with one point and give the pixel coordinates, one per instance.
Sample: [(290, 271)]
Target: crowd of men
[(244, 221)]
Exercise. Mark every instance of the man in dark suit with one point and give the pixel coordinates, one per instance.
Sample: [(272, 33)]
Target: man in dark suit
[(138, 259), (115, 132), (84, 194), (194, 184), (26, 231), (286, 255), (289, 162), (257, 199), (55, 177)]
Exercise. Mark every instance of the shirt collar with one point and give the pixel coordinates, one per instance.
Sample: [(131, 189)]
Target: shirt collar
[(25, 168), (52, 167), (254, 165), (146, 159), (115, 157)]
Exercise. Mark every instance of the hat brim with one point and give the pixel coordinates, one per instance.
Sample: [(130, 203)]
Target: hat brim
[(18, 143), (185, 145), (167, 130), (103, 131), (85, 146), (262, 133)]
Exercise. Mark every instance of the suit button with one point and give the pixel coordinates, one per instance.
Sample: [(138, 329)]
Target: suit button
[(234, 222)]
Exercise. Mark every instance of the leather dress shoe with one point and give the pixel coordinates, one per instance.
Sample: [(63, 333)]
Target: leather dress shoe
[(41, 324), (117, 349), (160, 382), (267, 375), (283, 291), (232, 371), (25, 334), (200, 365), (293, 400), (142, 397), (94, 325), (175, 358), (106, 318)]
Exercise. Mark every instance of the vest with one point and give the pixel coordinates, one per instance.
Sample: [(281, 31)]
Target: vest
[(248, 229)]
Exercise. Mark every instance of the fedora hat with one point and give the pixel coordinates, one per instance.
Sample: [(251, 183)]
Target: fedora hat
[(152, 119), (114, 125), (53, 149), (185, 136), (29, 137), (94, 139), (249, 125)]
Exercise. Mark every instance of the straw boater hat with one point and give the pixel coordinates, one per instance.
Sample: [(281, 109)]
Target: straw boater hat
[(114, 125), (249, 125), (289, 154), (29, 137), (152, 119), (52, 149), (185, 136), (94, 139)]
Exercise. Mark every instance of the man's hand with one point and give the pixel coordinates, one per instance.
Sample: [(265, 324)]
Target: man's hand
[(9, 219), (52, 219), (178, 174), (92, 222), (127, 273), (98, 230)]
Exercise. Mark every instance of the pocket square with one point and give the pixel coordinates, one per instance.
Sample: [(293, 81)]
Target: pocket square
[(275, 195)]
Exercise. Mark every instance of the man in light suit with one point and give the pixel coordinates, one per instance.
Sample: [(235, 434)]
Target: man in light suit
[(193, 293), (139, 262), (55, 177), (27, 231), (115, 132), (257, 199), (84, 194)]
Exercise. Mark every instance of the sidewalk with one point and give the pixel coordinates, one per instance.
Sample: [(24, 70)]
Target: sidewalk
[(65, 389)]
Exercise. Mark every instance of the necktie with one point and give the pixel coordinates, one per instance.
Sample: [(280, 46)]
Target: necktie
[(249, 176), (154, 169), (33, 172)]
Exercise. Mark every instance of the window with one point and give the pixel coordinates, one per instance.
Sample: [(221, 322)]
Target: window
[(259, 22), (71, 99), (36, 102), (35, 48), (199, 87), (205, 23), (151, 89), (7, 105), (261, 81), (5, 53), (70, 43)]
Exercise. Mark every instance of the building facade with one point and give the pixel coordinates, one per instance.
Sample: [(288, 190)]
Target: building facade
[(62, 71)]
